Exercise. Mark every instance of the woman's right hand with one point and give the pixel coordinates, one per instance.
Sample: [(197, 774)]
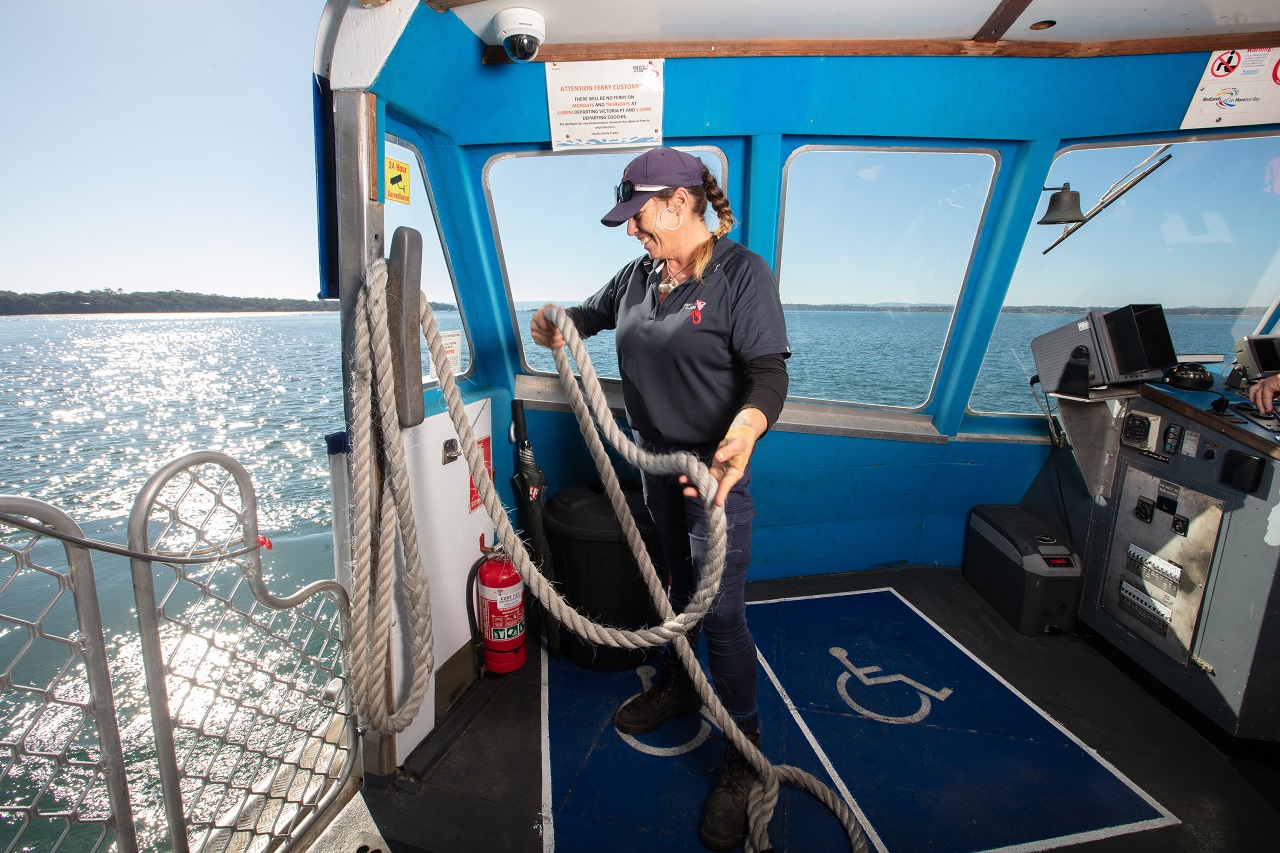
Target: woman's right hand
[(545, 332), (1263, 392)]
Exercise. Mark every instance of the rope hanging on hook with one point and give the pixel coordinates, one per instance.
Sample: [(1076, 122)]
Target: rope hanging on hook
[(374, 554)]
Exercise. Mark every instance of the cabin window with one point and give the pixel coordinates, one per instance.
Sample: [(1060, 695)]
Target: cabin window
[(419, 213), (875, 246), (1198, 236), (547, 210)]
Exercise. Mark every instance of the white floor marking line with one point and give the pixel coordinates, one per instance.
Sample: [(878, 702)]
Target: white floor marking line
[(548, 822), (867, 829)]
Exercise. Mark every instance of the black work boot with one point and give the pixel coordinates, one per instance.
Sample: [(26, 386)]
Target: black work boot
[(724, 819), (672, 695)]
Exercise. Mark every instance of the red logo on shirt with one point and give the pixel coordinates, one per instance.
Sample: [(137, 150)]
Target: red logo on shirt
[(695, 316)]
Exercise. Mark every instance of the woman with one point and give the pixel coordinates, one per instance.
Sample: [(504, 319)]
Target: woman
[(701, 347)]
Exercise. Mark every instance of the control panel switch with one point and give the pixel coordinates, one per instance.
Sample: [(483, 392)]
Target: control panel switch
[(1145, 510)]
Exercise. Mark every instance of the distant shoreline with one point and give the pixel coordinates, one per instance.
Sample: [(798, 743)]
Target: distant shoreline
[(158, 302)]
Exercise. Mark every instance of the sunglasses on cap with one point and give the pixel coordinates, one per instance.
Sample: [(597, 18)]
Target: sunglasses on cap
[(625, 190)]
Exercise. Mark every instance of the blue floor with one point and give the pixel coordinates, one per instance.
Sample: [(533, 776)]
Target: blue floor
[(928, 746)]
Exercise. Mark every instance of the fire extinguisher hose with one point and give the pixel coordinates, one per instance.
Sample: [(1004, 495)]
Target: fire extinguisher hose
[(476, 640)]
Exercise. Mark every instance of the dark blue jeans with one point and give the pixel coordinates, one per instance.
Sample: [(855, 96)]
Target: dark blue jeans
[(682, 534)]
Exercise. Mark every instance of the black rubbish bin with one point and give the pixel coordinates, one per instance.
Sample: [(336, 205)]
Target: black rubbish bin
[(596, 572)]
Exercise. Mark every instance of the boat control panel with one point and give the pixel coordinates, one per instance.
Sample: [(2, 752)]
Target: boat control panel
[(1180, 561)]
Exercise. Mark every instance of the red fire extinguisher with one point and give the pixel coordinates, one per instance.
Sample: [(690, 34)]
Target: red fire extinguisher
[(499, 628)]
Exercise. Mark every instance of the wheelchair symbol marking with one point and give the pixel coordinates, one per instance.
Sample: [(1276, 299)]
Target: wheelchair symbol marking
[(646, 674), (866, 674)]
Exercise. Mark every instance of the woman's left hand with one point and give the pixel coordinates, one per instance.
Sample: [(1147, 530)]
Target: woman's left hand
[(543, 331), (729, 462)]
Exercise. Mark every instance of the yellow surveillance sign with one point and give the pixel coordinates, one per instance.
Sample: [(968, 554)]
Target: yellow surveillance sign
[(397, 177)]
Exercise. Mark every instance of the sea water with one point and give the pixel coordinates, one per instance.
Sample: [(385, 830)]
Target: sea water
[(890, 358), (93, 405)]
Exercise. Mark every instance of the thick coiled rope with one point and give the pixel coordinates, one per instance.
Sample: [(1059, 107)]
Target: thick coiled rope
[(763, 797), (764, 794), (676, 625), (374, 559)]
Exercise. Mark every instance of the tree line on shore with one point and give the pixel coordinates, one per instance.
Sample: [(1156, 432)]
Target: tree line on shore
[(156, 302)]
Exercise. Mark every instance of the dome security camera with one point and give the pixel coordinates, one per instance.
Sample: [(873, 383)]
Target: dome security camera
[(521, 32)]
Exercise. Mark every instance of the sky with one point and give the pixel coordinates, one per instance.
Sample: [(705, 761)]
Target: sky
[(158, 145), (161, 145)]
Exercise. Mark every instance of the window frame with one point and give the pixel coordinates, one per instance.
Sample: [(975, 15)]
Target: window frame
[(913, 147), (1269, 313), (468, 369), (605, 274)]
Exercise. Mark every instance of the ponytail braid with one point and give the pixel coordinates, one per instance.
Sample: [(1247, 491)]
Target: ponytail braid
[(719, 203), (710, 192)]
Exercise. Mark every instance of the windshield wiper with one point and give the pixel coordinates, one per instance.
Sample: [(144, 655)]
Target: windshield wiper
[(1116, 190)]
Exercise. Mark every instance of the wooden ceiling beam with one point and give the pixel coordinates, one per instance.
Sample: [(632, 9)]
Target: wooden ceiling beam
[(892, 47), (1000, 21)]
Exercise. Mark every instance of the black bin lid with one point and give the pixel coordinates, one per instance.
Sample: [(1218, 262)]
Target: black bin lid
[(1019, 528), (584, 512)]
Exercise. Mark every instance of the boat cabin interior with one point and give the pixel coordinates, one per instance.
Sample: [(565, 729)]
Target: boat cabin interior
[(1013, 580)]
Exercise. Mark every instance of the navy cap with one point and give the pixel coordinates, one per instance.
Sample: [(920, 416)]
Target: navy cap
[(654, 170)]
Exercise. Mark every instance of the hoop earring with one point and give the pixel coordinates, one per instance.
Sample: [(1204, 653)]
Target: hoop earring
[(679, 220)]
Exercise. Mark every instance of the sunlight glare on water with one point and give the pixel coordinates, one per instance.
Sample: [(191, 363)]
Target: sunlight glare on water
[(98, 403)]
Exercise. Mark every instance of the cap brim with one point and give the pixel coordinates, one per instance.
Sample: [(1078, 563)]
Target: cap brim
[(624, 210)]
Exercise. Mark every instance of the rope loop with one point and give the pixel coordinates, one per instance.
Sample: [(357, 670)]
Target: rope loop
[(675, 625), (374, 554)]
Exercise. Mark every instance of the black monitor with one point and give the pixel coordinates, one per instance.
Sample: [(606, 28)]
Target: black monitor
[(1259, 355), (1139, 342), (1124, 345)]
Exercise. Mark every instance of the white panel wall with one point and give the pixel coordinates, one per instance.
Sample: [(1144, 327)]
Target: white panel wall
[(449, 534)]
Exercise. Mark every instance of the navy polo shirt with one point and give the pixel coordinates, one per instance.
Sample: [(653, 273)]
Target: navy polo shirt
[(682, 361)]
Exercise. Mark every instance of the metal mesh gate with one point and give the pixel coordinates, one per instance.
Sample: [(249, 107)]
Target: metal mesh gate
[(237, 729), (62, 782)]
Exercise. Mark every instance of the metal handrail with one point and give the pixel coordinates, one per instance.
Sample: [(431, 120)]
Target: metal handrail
[(91, 645), (240, 767)]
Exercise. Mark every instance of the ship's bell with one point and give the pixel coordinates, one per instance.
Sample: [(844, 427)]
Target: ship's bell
[(1064, 208)]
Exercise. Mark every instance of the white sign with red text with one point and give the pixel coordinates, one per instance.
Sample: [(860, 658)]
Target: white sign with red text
[(614, 103)]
